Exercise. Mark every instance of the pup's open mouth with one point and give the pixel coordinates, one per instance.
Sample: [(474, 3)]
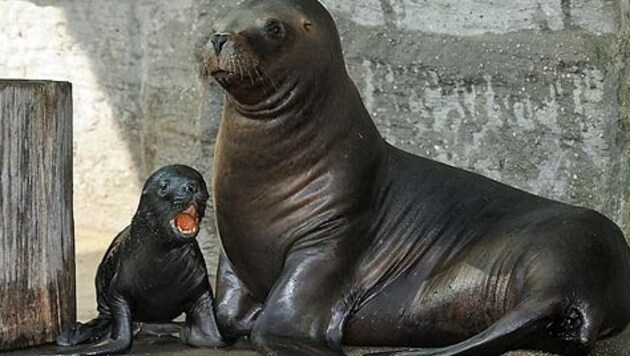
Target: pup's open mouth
[(186, 222)]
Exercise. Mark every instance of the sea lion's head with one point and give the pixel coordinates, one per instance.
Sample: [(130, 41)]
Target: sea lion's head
[(267, 53), (174, 202)]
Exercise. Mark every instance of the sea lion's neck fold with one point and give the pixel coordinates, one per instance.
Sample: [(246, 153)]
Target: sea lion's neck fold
[(294, 95), (274, 106), (316, 117)]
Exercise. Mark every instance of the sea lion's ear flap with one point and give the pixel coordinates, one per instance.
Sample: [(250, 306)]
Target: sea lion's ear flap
[(307, 25)]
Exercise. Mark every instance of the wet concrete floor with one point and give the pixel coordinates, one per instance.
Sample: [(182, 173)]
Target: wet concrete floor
[(90, 248)]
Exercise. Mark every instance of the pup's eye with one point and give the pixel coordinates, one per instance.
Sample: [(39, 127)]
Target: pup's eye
[(164, 187), (273, 28)]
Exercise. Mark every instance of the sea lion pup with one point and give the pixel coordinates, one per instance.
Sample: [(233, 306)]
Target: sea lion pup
[(330, 235), (154, 270)]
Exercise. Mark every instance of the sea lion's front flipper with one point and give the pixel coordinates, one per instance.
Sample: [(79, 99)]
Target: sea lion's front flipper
[(306, 318), (236, 310), (201, 328)]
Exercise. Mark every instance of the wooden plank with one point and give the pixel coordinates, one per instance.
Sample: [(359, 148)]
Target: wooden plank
[(37, 268)]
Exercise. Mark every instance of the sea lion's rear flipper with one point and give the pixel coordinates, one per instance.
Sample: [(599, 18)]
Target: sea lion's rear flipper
[(95, 330), (525, 322)]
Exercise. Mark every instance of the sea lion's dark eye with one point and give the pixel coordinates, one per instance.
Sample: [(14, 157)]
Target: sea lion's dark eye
[(163, 187), (273, 28)]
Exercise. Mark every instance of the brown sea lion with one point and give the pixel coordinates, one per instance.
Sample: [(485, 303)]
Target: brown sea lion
[(331, 236)]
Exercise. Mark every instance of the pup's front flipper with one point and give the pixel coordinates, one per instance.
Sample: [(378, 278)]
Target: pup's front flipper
[(201, 325), (121, 333), (92, 331)]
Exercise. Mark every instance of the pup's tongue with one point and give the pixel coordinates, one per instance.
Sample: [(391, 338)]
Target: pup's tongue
[(186, 221)]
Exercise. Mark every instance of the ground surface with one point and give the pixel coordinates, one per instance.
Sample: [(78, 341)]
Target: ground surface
[(90, 248)]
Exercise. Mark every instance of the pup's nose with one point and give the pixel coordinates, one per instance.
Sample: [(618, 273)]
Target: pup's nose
[(218, 40), (190, 187)]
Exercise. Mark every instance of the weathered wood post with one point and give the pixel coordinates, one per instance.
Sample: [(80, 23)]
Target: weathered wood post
[(37, 270)]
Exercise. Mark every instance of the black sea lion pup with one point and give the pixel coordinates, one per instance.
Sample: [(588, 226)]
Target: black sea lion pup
[(154, 270), (330, 235)]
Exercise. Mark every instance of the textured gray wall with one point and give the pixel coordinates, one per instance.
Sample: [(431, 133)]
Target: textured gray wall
[(533, 93), (525, 92)]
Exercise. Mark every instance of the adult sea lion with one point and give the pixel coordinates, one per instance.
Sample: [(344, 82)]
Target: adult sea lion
[(330, 235), (154, 270)]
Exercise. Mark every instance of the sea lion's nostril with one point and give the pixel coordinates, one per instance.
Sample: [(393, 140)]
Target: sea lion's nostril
[(190, 187)]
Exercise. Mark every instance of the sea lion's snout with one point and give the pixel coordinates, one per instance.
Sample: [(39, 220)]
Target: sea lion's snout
[(190, 198), (224, 57), (189, 203), (188, 189)]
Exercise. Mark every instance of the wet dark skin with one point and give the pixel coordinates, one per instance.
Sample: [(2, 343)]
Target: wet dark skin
[(331, 236), (153, 271)]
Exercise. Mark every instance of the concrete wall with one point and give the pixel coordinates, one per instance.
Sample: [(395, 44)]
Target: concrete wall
[(525, 92), (533, 93)]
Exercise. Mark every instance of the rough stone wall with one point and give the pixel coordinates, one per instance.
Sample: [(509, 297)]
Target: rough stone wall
[(42, 41), (137, 97), (533, 93), (525, 92)]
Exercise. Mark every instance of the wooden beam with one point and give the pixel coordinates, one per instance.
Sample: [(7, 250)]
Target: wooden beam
[(37, 268)]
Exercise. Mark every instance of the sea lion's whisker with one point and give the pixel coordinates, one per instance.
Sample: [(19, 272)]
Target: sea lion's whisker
[(240, 70), (232, 66), (251, 78), (258, 75), (260, 71)]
